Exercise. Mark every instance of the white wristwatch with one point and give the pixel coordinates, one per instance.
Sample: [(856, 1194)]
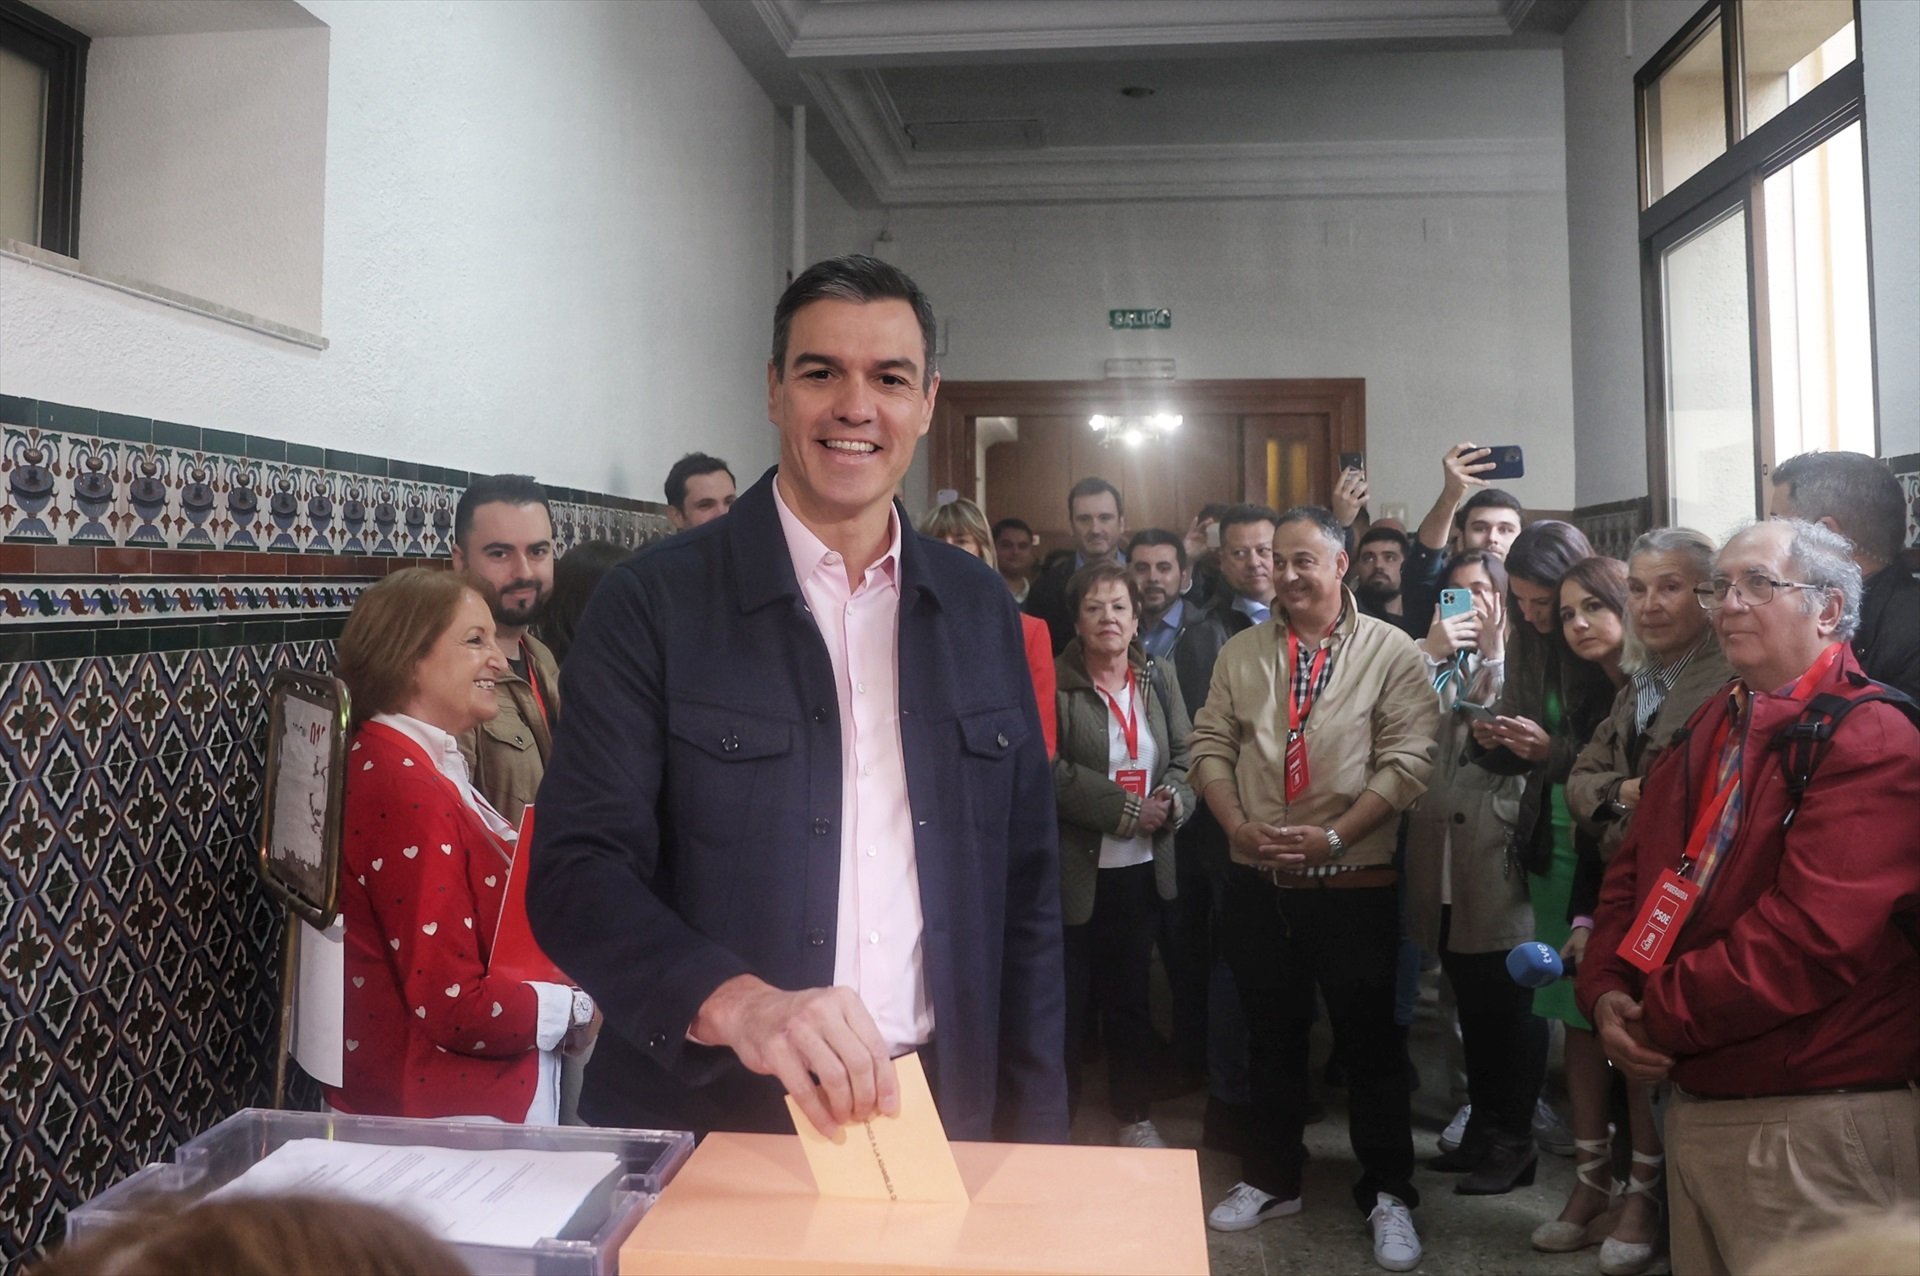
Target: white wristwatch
[(582, 1009), (1335, 847)]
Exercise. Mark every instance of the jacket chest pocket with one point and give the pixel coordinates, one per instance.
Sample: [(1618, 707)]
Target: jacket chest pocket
[(724, 766), (990, 739), (512, 736)]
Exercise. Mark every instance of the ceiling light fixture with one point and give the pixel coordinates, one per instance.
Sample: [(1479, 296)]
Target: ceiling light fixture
[(1133, 430), (1137, 91)]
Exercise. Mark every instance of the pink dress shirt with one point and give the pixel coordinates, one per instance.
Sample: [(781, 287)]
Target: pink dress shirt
[(877, 945)]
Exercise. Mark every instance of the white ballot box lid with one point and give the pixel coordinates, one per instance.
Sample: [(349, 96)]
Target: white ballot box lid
[(578, 1191)]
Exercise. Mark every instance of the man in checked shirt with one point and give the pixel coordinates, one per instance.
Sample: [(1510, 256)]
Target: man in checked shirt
[(1317, 732)]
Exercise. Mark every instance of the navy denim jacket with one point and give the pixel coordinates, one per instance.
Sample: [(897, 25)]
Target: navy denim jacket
[(689, 826)]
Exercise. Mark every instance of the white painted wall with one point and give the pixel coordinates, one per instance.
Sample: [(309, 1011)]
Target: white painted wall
[(1602, 50), (1890, 36), (1453, 309), (554, 234), (205, 166)]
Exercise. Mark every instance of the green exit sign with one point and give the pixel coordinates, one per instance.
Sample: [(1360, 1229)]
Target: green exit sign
[(1151, 318)]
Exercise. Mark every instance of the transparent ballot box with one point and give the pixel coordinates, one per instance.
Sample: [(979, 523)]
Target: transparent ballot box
[(622, 1175)]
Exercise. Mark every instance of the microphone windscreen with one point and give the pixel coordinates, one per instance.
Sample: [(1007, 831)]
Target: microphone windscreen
[(1534, 964)]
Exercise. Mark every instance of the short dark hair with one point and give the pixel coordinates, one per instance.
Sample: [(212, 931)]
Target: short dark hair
[(1235, 515), (1214, 509), (1331, 529), (1093, 485), (1393, 534), (1544, 553), (1093, 574), (692, 465), (489, 489), (1019, 524), (1858, 492), (1159, 536), (859, 278), (1490, 497)]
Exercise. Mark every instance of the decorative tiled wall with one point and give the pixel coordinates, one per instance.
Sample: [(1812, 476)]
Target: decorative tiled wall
[(152, 578)]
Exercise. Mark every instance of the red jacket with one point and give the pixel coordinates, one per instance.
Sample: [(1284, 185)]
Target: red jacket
[(1039, 645), (1789, 974), (429, 1033)]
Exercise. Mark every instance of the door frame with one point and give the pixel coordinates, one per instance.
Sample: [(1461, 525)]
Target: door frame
[(950, 439)]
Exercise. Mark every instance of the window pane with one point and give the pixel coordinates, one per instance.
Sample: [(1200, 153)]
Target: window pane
[(1820, 330), (23, 133), (1791, 46), (1709, 377), (1686, 110)]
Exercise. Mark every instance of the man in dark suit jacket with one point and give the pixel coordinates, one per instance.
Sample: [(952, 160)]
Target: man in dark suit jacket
[(1099, 531), (713, 804)]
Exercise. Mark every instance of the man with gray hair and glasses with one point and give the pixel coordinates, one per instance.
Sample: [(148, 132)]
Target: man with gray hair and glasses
[(1755, 939), (1858, 497)]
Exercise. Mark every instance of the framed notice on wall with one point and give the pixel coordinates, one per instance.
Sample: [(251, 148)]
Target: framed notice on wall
[(303, 793)]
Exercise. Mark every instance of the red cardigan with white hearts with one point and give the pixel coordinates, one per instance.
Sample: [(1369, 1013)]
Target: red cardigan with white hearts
[(428, 1032)]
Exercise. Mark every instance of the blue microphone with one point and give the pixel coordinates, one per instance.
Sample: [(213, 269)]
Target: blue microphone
[(1535, 965)]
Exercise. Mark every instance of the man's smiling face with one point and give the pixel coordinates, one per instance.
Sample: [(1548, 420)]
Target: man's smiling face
[(849, 404)]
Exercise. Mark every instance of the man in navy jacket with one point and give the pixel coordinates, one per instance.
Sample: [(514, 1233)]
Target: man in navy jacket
[(705, 861)]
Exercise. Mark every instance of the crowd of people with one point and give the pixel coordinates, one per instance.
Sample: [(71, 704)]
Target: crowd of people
[(817, 788)]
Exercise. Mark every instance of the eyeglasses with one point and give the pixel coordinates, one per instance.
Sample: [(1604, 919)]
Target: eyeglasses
[(1755, 589)]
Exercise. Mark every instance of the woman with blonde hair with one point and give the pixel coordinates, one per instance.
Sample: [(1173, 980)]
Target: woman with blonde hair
[(961, 523)]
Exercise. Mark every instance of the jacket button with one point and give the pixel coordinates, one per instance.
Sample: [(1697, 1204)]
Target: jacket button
[(820, 715), (520, 740), (729, 743), (658, 1041), (817, 937), (1459, 817), (1001, 739), (822, 827)]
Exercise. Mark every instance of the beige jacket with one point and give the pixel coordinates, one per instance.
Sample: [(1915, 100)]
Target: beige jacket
[(507, 757), (1371, 729), (1464, 821)]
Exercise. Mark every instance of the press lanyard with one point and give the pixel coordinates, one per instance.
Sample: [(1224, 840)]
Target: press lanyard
[(1130, 721), (533, 680)]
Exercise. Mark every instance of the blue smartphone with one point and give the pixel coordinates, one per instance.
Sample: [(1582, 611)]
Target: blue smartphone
[(1455, 602)]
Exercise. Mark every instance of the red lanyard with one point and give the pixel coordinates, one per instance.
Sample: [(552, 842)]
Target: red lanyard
[(1299, 706), (1709, 816), (1129, 721), (533, 680)]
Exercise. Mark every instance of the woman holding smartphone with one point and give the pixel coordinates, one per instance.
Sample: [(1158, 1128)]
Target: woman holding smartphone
[(1121, 784), (1466, 896)]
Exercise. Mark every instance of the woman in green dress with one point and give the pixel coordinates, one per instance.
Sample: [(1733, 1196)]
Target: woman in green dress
[(1556, 694)]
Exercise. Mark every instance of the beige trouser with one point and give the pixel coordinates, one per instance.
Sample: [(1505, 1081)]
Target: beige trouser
[(1747, 1174)]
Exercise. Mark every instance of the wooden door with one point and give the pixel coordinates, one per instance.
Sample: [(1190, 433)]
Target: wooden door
[(1287, 459)]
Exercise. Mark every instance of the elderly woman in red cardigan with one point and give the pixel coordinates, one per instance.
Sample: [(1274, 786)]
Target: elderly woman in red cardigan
[(424, 860)]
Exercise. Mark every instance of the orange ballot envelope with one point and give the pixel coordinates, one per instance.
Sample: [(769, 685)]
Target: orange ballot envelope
[(898, 1158)]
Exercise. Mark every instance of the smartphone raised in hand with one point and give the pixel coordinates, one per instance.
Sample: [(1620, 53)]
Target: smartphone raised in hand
[(1508, 461), (1455, 602), (1353, 461)]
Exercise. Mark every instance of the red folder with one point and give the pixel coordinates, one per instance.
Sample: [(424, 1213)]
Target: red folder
[(515, 954)]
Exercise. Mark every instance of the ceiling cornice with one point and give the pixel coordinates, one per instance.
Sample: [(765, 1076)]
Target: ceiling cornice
[(931, 30), (861, 112)]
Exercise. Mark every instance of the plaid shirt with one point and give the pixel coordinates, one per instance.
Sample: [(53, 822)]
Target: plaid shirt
[(1301, 678)]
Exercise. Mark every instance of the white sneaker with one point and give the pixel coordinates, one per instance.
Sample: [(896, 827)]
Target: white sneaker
[(1246, 1207), (1141, 1134), (1549, 1131), (1456, 1129), (1396, 1246)]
